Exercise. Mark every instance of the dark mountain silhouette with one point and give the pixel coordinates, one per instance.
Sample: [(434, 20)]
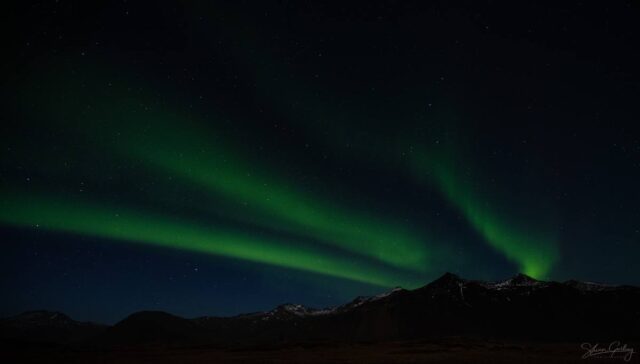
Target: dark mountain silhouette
[(517, 308), (48, 327)]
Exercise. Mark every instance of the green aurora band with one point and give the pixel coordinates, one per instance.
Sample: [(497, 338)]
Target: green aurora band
[(168, 143), (131, 226), (533, 252), (121, 128), (274, 202)]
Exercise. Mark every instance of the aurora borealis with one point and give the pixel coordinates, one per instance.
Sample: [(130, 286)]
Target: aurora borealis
[(140, 228), (534, 253), (212, 158)]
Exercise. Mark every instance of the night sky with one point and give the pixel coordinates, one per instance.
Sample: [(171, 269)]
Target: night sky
[(215, 158)]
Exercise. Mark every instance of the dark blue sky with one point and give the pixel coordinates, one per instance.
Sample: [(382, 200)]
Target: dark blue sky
[(257, 153)]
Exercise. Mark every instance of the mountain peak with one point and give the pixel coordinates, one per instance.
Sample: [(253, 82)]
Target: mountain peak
[(448, 277), (523, 279), (42, 317), (448, 281), (287, 311), (150, 317), (43, 314), (523, 276), (519, 280), (293, 308)]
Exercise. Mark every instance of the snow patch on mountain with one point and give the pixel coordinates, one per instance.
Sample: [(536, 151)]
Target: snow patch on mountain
[(290, 310)]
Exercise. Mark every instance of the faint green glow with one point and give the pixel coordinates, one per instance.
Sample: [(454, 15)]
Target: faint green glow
[(132, 226), (266, 199), (534, 252), (130, 128)]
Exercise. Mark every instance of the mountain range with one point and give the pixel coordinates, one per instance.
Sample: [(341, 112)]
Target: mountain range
[(516, 308)]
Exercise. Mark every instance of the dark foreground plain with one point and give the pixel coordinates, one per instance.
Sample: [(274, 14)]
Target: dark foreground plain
[(449, 350)]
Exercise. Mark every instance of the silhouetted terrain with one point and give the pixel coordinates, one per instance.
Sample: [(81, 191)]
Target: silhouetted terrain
[(519, 318), (48, 327)]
